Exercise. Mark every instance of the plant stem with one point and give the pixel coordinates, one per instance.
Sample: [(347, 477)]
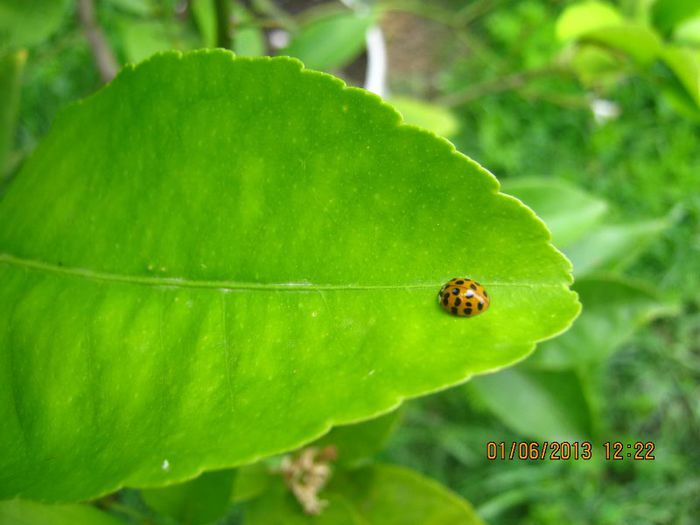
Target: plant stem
[(223, 23), (102, 53), (500, 84)]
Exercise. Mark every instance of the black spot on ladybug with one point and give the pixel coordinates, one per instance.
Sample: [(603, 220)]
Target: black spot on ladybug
[(472, 286), (455, 291), (459, 282), (458, 301), (468, 311), (454, 310), (445, 300), (480, 305)]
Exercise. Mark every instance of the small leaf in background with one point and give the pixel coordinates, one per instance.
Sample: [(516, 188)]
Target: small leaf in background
[(614, 309), (581, 18), (688, 33), (668, 14), (392, 495), (312, 234), (250, 481), (205, 18), (198, 501), (685, 64), (543, 405), (248, 40), (21, 512), (11, 68), (438, 119), (614, 247), (331, 41), (569, 212), (143, 38), (26, 23), (357, 443), (279, 507), (640, 43)]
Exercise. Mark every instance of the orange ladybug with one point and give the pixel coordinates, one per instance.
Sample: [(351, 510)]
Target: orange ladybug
[(463, 297)]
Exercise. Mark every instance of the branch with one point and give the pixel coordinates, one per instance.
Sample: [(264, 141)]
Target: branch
[(500, 84), (102, 53)]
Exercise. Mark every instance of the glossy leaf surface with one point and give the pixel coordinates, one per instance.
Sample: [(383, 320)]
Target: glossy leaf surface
[(214, 260)]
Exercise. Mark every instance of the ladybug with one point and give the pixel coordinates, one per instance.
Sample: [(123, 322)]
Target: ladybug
[(463, 297)]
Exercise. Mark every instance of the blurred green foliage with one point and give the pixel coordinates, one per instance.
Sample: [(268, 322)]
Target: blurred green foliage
[(585, 110)]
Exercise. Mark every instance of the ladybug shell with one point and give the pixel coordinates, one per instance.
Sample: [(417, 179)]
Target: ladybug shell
[(463, 297)]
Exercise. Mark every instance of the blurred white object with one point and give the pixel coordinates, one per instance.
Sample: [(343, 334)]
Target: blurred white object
[(279, 38), (375, 79), (604, 110)]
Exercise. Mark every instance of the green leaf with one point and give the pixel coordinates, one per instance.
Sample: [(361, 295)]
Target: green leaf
[(614, 309), (11, 68), (278, 507), (243, 255), (581, 18), (26, 23), (374, 495), (201, 500), (437, 119), (392, 495), (640, 43), (688, 33), (248, 40), (667, 14), (685, 64), (614, 247), (205, 17), (543, 405), (331, 41), (568, 212), (250, 481), (359, 442), (143, 38), (22, 512)]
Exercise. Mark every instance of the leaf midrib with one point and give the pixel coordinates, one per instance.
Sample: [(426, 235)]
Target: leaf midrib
[(181, 282)]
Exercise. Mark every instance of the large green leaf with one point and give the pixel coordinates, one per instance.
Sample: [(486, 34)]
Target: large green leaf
[(21, 512), (217, 259)]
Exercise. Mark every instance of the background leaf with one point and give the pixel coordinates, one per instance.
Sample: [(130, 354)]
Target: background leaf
[(357, 443), (331, 40), (25, 23), (583, 17), (230, 260), (201, 500), (614, 309), (391, 495), (22, 512), (543, 405), (568, 212)]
